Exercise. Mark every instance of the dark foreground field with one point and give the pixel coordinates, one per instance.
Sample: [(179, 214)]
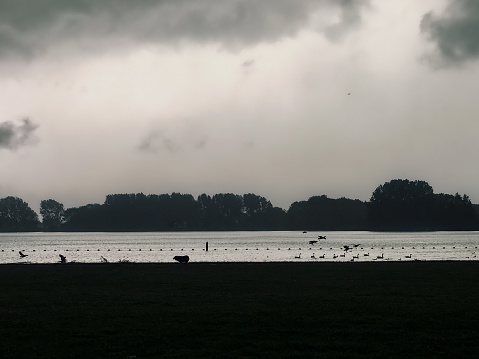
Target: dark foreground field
[(240, 310)]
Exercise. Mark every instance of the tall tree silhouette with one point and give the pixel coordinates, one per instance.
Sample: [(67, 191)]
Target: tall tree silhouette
[(402, 205), (53, 214), (17, 216), (412, 205), (259, 213)]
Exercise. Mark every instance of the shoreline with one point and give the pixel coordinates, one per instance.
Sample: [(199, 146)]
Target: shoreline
[(305, 262)]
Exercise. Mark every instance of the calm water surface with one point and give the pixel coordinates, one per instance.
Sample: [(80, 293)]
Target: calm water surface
[(156, 247)]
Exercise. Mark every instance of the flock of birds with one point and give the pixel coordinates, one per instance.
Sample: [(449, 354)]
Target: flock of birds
[(353, 258), (347, 248)]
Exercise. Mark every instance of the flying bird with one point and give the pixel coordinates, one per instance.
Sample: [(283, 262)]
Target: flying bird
[(347, 248), (22, 255)]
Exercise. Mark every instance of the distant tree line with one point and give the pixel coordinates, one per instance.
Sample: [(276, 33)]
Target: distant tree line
[(398, 205)]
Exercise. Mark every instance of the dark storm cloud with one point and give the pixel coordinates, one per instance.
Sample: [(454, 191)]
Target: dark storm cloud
[(13, 136), (30, 27), (455, 33)]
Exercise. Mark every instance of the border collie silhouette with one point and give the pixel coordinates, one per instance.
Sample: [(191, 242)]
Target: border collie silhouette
[(182, 259)]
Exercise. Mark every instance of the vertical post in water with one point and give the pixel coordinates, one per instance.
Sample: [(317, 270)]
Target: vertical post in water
[(207, 246)]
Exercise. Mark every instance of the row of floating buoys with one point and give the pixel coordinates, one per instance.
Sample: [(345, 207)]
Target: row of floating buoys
[(236, 249)]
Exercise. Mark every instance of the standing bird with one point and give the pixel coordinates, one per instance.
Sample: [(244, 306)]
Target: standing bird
[(22, 255)]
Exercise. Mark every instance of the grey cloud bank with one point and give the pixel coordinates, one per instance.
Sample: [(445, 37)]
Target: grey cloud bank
[(13, 136), (455, 33), (30, 28)]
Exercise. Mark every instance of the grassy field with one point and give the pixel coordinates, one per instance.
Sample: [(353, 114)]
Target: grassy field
[(240, 310)]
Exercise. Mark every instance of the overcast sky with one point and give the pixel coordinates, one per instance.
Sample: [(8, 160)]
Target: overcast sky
[(283, 98)]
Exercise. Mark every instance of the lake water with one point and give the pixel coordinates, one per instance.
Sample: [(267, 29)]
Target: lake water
[(160, 247)]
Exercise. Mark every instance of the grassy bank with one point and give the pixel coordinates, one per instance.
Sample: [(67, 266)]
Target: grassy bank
[(240, 310)]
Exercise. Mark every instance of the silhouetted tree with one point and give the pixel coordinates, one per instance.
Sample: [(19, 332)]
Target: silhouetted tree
[(453, 212), (85, 219), (259, 214), (274, 218), (229, 210), (254, 204), (402, 205), (412, 205), (159, 206), (183, 212), (17, 216), (323, 213), (208, 214), (137, 212), (119, 211), (53, 214)]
